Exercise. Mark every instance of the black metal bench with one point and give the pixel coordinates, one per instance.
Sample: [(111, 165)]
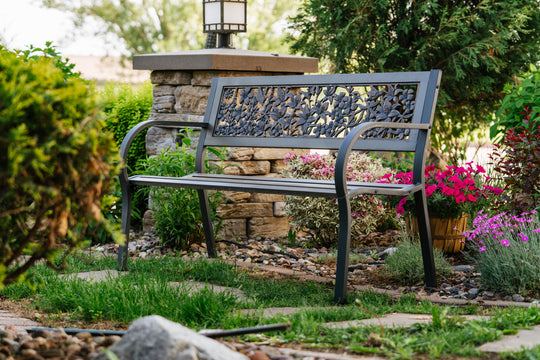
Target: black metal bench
[(348, 112)]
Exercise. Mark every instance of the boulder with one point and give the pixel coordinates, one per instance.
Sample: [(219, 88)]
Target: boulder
[(154, 337)]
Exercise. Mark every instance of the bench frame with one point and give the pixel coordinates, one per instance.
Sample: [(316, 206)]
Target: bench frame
[(410, 135)]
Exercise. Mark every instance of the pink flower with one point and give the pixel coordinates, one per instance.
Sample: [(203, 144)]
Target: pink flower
[(471, 197), (504, 242), (483, 248)]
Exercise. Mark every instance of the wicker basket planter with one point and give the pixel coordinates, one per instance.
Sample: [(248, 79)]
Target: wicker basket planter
[(446, 233)]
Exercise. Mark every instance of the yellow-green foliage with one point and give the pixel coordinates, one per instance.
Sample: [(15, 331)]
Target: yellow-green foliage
[(56, 162)]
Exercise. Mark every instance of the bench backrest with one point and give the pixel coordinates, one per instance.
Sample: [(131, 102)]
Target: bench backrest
[(317, 111)]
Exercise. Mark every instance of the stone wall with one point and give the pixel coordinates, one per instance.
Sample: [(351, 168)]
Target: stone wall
[(183, 95)]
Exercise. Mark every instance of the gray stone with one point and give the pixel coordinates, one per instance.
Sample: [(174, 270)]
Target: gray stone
[(517, 298), (463, 268), (164, 77), (191, 99), (384, 254), (268, 226), (160, 139), (279, 209), (148, 221), (154, 337)]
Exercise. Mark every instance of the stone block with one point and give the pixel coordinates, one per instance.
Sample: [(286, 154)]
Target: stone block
[(279, 209), (245, 210), (268, 226), (163, 104), (191, 99), (163, 90), (204, 78), (246, 167), (237, 197), (277, 166), (232, 229), (166, 77), (270, 154), (266, 198), (240, 153), (159, 139), (148, 221)]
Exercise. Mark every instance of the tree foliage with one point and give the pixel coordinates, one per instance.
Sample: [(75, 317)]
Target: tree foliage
[(479, 45), (150, 26)]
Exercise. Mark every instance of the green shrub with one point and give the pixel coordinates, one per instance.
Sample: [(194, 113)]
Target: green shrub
[(56, 162), (124, 107), (176, 211), (320, 215), (406, 267), (508, 255), (520, 107)]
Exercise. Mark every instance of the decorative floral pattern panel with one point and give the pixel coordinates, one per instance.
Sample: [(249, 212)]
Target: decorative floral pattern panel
[(313, 111)]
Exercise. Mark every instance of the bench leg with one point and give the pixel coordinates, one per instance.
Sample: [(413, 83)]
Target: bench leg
[(344, 244), (425, 238), (125, 225), (207, 223)]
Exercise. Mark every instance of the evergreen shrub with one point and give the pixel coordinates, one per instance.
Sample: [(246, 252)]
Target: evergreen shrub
[(56, 162)]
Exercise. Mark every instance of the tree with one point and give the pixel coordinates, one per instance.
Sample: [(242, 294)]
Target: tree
[(149, 26), (479, 45)]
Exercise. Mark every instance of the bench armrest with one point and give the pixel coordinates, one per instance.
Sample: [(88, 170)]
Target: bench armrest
[(128, 140), (340, 175)]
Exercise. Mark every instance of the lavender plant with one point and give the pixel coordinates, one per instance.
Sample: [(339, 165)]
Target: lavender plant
[(320, 215), (508, 254)]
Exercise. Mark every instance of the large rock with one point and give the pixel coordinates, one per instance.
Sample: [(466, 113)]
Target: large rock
[(154, 337)]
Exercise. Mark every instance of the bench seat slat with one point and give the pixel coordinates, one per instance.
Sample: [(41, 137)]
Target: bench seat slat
[(286, 186)]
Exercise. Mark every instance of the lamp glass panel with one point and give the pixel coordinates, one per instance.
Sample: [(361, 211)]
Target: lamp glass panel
[(212, 13), (234, 13)]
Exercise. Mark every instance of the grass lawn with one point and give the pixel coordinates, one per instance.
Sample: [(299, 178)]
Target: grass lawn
[(71, 302)]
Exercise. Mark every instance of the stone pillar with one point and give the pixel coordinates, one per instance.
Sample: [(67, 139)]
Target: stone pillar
[(182, 85)]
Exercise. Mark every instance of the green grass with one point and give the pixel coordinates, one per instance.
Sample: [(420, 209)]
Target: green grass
[(145, 290)]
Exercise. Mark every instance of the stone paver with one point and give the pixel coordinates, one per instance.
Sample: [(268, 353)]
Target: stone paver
[(10, 321), (98, 275), (394, 320), (198, 286), (523, 339)]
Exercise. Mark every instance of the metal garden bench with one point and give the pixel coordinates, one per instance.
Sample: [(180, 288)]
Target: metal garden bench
[(379, 112)]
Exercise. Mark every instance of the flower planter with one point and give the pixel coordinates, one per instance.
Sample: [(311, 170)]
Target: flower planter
[(445, 233)]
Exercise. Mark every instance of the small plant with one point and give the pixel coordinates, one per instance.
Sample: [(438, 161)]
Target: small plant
[(405, 265), (508, 252), (320, 215), (177, 211), (449, 192)]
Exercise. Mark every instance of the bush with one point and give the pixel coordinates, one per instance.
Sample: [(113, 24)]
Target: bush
[(320, 215), (176, 211), (508, 256), (517, 159), (406, 266), (520, 108), (56, 161), (124, 107)]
